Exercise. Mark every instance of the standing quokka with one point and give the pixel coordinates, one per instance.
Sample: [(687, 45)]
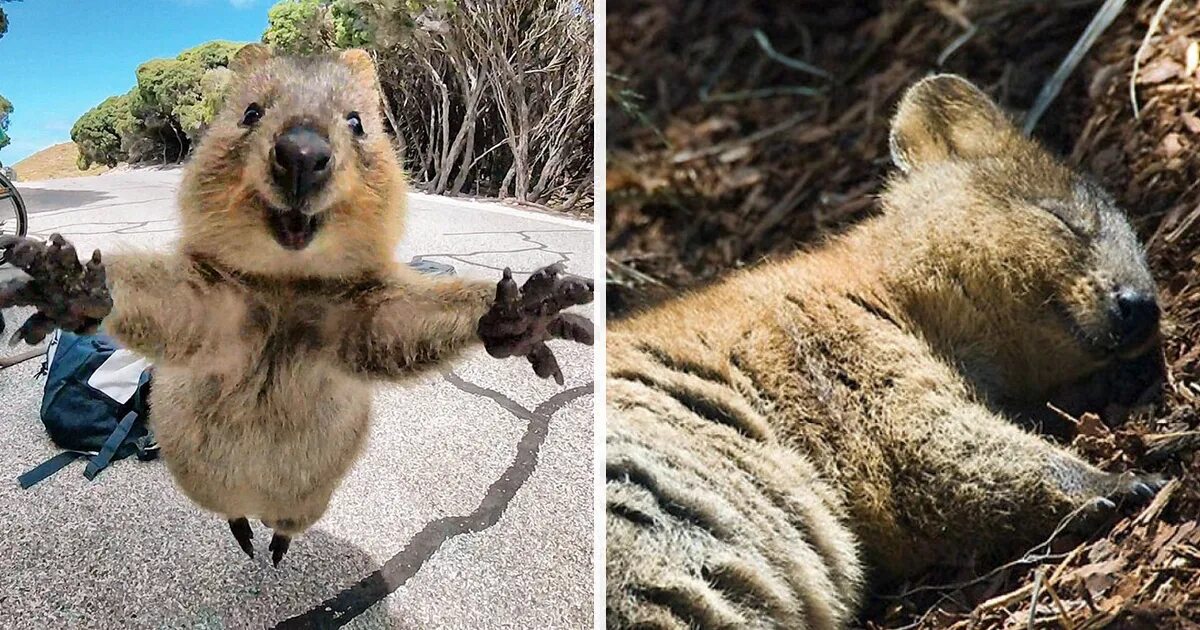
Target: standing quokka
[(281, 304), (781, 439)]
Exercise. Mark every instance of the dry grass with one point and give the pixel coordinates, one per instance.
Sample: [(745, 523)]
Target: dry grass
[(54, 162)]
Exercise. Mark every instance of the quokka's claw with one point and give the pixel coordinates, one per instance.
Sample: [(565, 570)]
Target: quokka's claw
[(279, 546), (544, 364), (26, 254), (33, 331), (540, 285), (242, 533), (572, 327)]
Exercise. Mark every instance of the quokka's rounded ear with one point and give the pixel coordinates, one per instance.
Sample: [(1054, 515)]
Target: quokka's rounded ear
[(945, 116), (361, 64), (249, 57)]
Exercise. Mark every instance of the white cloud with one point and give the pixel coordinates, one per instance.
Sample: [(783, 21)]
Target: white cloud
[(242, 4)]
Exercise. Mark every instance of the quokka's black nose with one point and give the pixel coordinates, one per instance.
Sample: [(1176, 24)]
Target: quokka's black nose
[(1137, 316), (303, 162)]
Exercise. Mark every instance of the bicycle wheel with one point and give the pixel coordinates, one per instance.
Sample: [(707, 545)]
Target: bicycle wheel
[(13, 219)]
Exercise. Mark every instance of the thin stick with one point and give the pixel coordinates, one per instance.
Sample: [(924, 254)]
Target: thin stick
[(1137, 59), (1064, 617), (790, 62), (1029, 557), (7, 362), (1103, 18), (1037, 592)]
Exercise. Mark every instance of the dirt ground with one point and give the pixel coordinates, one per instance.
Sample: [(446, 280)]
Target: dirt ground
[(723, 150), (54, 162)]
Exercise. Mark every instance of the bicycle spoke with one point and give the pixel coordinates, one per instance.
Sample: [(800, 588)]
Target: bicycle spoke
[(6, 193)]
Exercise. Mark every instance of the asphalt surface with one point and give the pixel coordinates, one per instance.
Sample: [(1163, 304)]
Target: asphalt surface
[(471, 507)]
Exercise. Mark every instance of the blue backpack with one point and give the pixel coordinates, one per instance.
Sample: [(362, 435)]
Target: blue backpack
[(94, 404)]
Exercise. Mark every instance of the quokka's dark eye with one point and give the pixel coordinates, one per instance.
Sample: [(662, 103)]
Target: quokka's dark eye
[(354, 121), (252, 115)]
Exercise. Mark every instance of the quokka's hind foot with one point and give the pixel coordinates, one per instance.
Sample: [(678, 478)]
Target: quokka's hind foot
[(279, 546), (242, 533)]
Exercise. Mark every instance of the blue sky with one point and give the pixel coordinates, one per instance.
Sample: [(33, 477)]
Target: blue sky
[(60, 58)]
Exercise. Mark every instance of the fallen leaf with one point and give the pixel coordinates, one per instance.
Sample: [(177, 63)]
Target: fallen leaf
[(1171, 146), (1100, 577), (1159, 71), (1190, 121), (1091, 425)]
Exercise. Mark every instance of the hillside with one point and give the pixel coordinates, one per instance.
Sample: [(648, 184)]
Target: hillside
[(54, 162)]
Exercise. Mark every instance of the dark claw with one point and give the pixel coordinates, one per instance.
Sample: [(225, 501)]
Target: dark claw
[(25, 253), (544, 364), (523, 318), (242, 533), (540, 284), (33, 331), (572, 327), (279, 546), (507, 292)]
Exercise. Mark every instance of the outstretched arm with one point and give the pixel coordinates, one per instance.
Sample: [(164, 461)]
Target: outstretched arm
[(161, 302), (411, 324), (418, 322), (163, 309)]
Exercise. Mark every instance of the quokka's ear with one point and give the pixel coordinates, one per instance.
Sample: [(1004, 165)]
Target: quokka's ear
[(361, 65), (945, 116), (249, 57)]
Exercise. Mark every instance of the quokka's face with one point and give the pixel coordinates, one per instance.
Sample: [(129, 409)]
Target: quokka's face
[(1063, 267), (1087, 274), (297, 165)]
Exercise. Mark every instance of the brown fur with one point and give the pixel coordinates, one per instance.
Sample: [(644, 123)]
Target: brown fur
[(265, 356), (834, 413)]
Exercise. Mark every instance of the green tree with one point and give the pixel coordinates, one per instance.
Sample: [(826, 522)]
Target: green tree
[(299, 27), (98, 132), (4, 18), (314, 26), (6, 108), (169, 108), (214, 54)]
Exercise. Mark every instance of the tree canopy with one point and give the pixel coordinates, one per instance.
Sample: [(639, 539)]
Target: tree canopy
[(314, 26), (486, 97), (168, 108), (6, 108), (98, 132)]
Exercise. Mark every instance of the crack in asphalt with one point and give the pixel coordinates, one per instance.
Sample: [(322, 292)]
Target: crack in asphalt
[(356, 599), (126, 228), (525, 236)]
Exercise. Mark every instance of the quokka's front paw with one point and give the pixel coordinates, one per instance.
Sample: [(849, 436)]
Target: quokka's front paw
[(66, 293), (1116, 492), (523, 318), (1131, 489)]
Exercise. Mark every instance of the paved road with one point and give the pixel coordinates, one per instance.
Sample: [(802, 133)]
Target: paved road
[(471, 508)]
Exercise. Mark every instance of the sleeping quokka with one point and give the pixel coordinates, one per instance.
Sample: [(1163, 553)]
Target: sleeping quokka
[(780, 440)]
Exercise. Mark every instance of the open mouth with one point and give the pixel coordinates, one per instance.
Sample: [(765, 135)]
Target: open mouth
[(293, 229)]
